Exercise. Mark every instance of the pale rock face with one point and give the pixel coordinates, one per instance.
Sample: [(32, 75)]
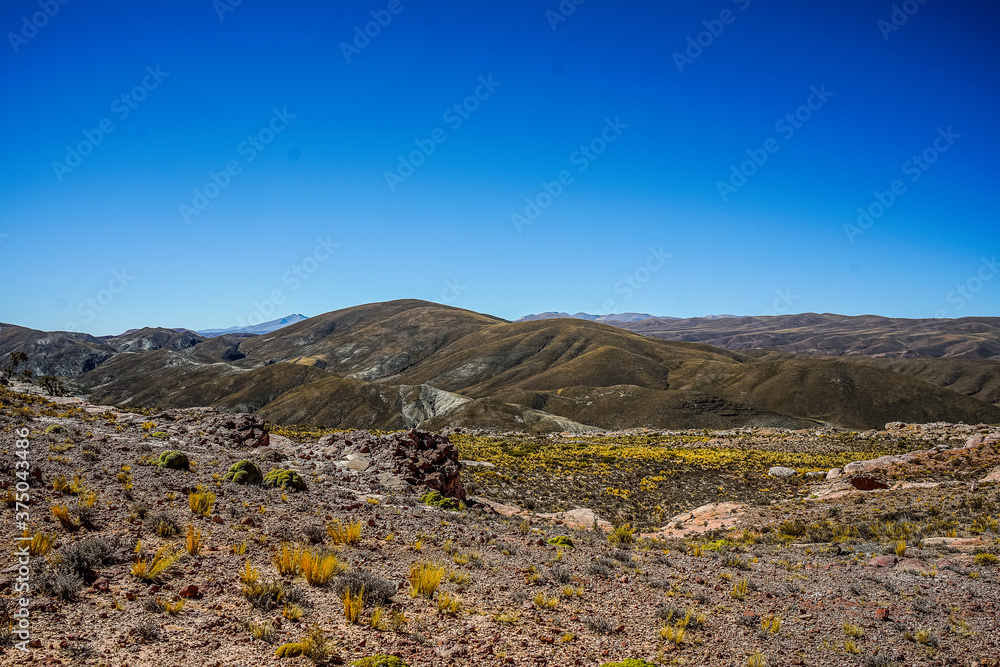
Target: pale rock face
[(834, 474), (781, 471)]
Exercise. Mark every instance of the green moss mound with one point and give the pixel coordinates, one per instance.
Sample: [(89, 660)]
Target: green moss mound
[(562, 541), (162, 435), (290, 650), (435, 499), (244, 472), (380, 660), (285, 479), (630, 662), (54, 428), (174, 459)]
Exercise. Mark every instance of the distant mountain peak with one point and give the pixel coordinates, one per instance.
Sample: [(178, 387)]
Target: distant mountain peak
[(262, 328), (611, 317)]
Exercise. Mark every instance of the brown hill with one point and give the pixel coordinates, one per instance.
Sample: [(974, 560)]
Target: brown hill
[(835, 335), (407, 363)]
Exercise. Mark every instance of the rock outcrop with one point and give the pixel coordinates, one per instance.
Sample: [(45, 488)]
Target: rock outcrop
[(397, 460)]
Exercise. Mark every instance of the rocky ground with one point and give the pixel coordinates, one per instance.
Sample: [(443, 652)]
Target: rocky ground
[(677, 547)]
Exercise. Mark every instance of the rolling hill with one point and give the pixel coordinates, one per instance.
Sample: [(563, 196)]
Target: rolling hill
[(411, 363)]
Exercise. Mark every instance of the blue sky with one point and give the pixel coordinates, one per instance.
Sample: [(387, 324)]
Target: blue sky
[(628, 156)]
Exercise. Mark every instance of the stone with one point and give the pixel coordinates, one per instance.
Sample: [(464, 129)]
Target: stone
[(865, 483), (883, 561), (834, 474), (189, 591), (781, 471), (816, 474), (882, 613)]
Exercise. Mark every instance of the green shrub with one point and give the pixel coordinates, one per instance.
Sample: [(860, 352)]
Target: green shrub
[(435, 499), (561, 541), (285, 479), (630, 662), (54, 428), (161, 435), (244, 472), (380, 660), (289, 650), (985, 559), (174, 459)]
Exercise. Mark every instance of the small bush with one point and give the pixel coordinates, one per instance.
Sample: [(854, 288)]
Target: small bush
[(174, 460), (985, 559), (623, 534), (561, 575), (314, 534), (284, 480), (375, 590), (85, 557), (561, 541), (630, 662), (599, 624), (435, 499), (164, 524), (244, 472), (59, 583)]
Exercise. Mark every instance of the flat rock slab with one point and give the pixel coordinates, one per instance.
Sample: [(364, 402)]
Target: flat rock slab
[(580, 517), (781, 471), (960, 543), (992, 478), (701, 520)]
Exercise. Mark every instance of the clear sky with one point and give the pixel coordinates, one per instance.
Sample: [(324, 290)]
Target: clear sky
[(201, 164)]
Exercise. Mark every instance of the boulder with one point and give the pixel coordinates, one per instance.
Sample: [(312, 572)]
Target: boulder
[(781, 471), (867, 483), (883, 561), (834, 474)]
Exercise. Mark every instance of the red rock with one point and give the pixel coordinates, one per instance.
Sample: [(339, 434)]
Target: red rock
[(868, 483), (882, 613), (248, 522), (189, 591), (883, 561)]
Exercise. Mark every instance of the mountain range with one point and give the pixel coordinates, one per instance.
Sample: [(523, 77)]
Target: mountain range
[(408, 363)]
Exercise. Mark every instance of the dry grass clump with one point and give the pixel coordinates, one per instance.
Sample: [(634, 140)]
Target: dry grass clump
[(149, 569), (344, 534), (425, 579)]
